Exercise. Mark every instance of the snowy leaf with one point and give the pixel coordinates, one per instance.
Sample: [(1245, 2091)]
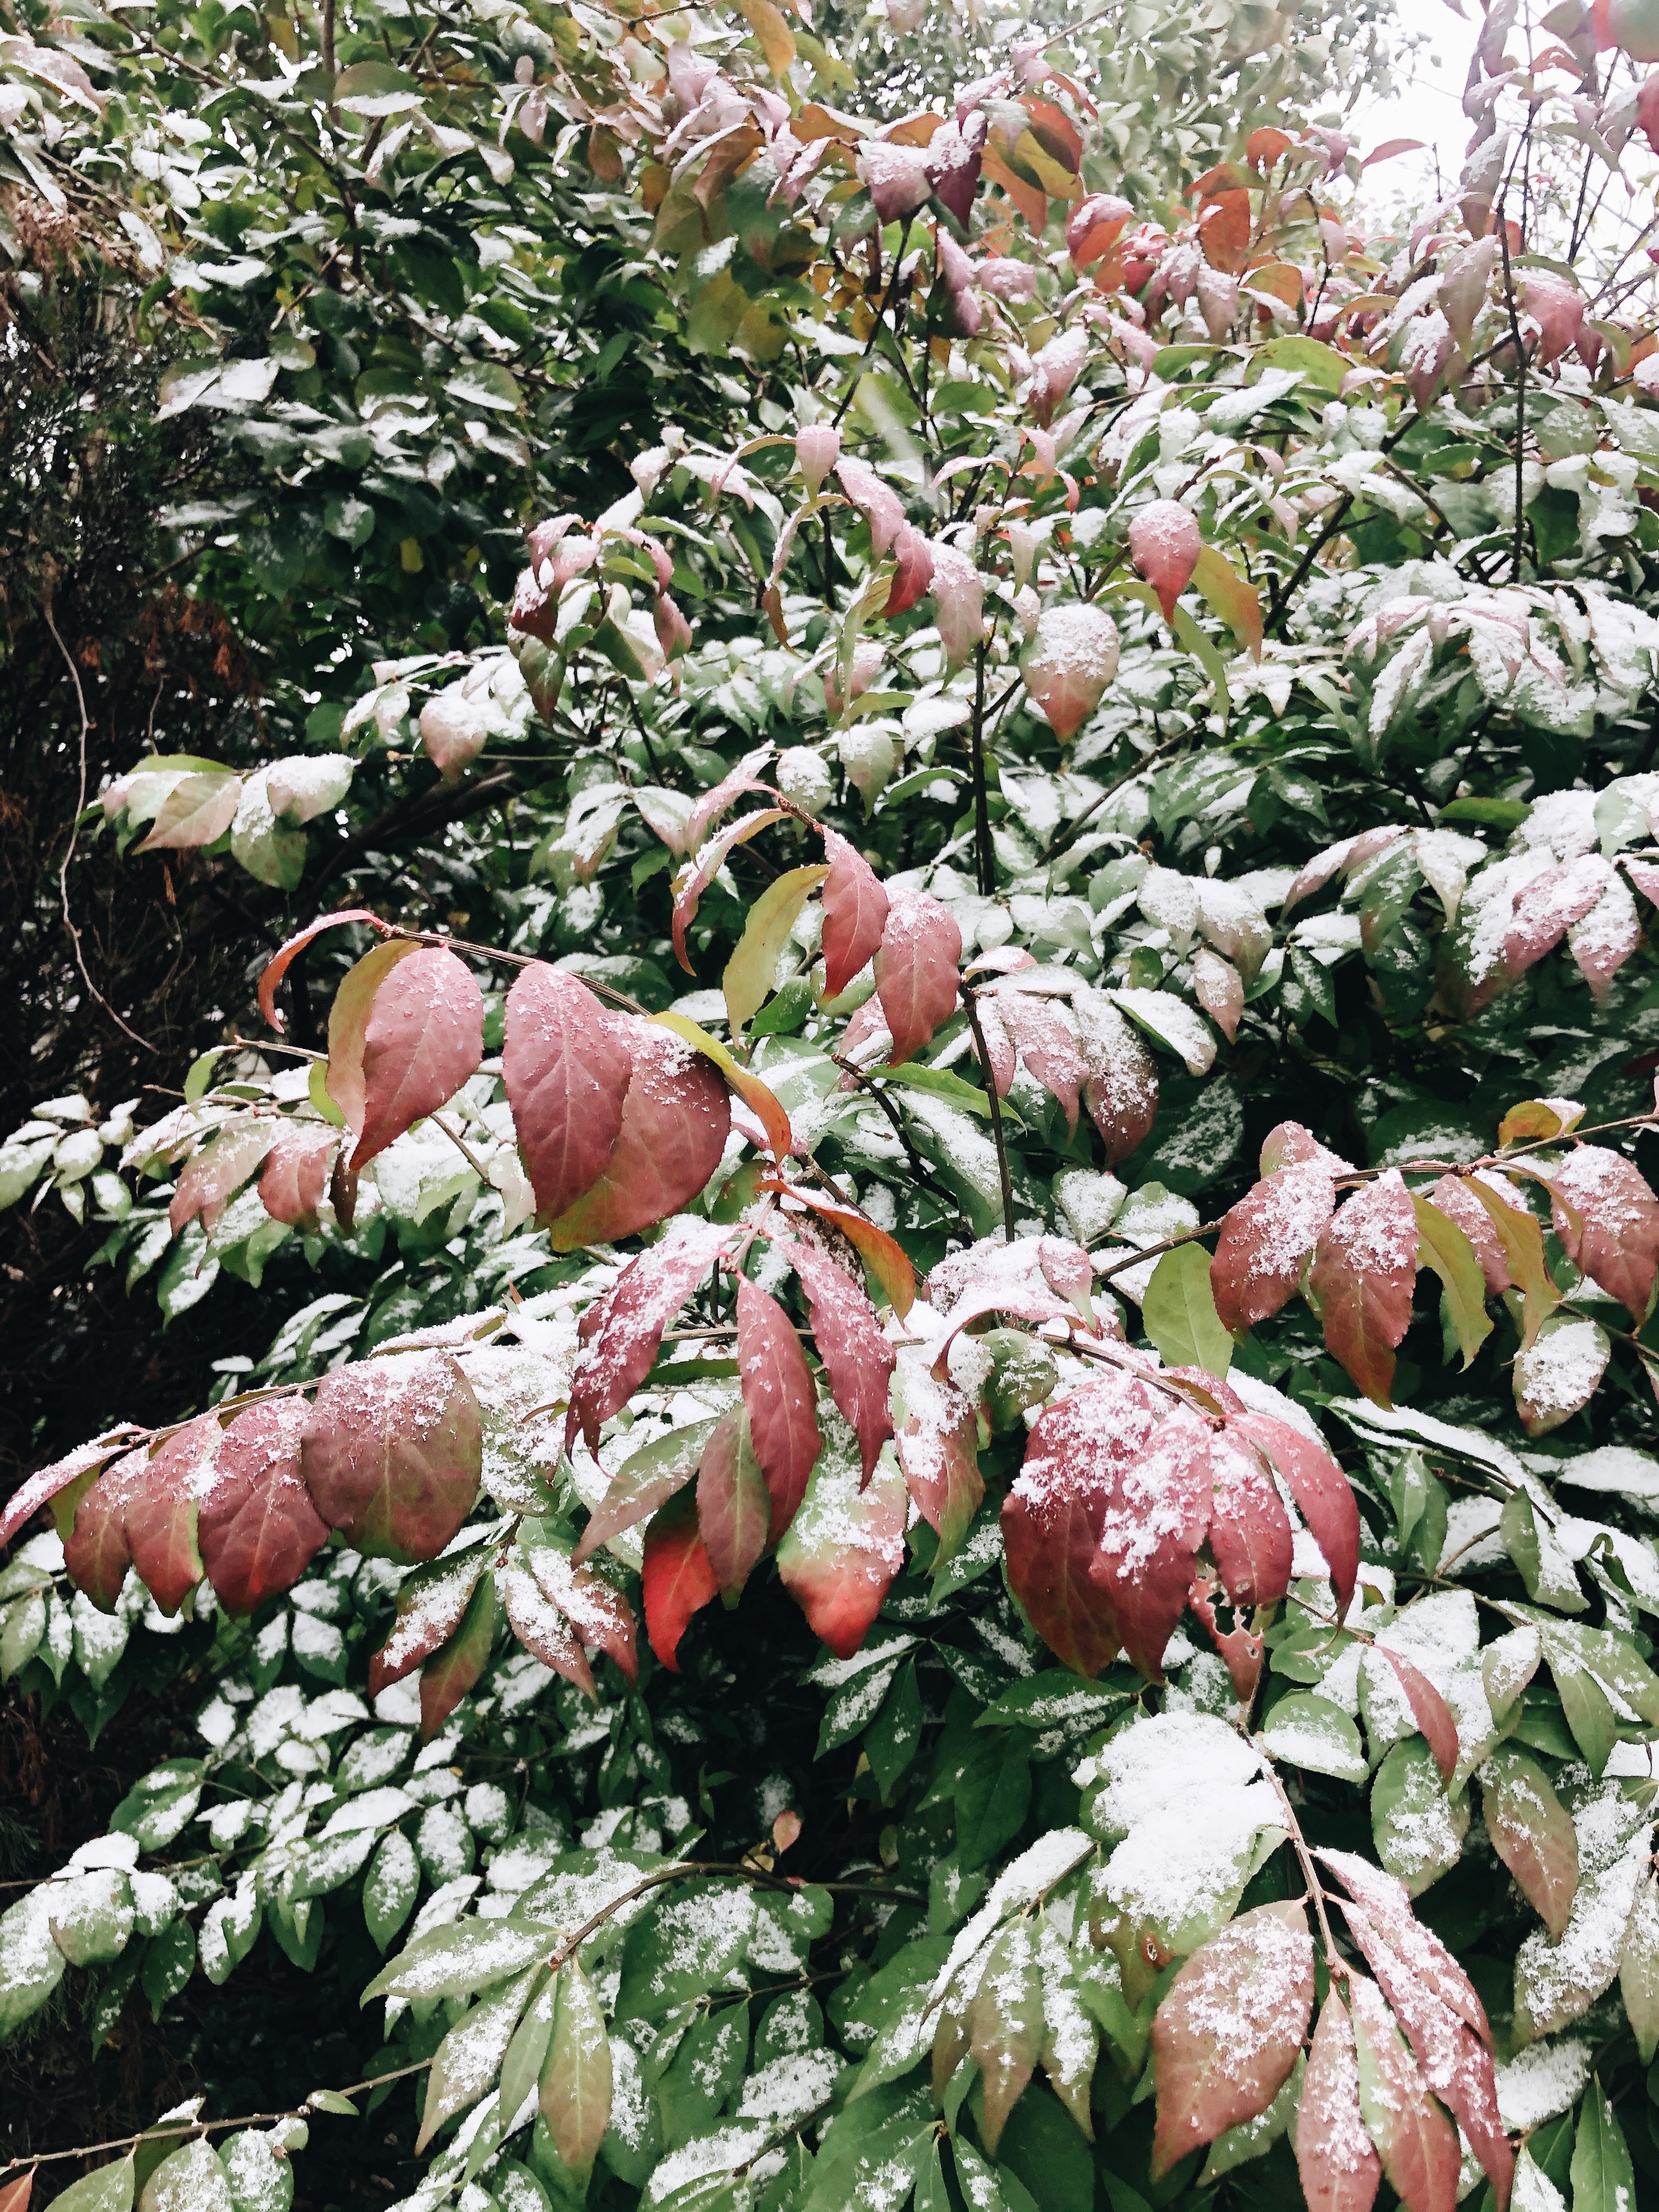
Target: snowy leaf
[(1156, 1519), (1607, 1220), (1602, 2177), (915, 966), (1334, 2154), (1069, 663), (1006, 2025), (454, 1668), (854, 913), (1557, 1374), (576, 2081), (733, 1506), (1120, 1092), (678, 1579), (566, 1067), (676, 1118), (1323, 1495), (432, 1602), (393, 1451), (937, 1441), (845, 1546), (779, 1400), (623, 1330), (161, 1508), (1312, 1733), (295, 1175), (422, 1037), (1164, 543), (645, 1481), (708, 865), (1364, 1269), (856, 1356), (220, 1168), (256, 1525), (1415, 2141), (1531, 1832)]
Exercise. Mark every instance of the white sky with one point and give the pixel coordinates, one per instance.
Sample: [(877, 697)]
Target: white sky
[(1426, 104)]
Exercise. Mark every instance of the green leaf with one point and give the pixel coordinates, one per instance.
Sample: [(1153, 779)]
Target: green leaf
[(1320, 364), (1056, 1698), (158, 1810), (31, 1964), (1418, 1829), (109, 2188), (485, 384), (463, 1959), (683, 1947), (576, 2079), (1314, 1733), (1180, 1315), (391, 1886), (891, 1741), (260, 2179), (940, 1083), (1442, 1245), (330, 2101), (169, 1962), (1544, 1567), (188, 2179), (1603, 2179)]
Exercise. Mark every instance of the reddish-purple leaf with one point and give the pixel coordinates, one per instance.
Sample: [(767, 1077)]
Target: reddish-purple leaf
[(1149, 1540), (1228, 2030), (1164, 543), (1531, 1832), (1053, 1516), (897, 176), (1034, 1278), (707, 866), (392, 1452), (1266, 1242), (643, 1483), (432, 1604), (1120, 1090), (1043, 1037), (14, 2195), (1094, 227), (1456, 2065), (96, 1551), (600, 1615), (677, 1577), (937, 1444), (1388, 1902), (720, 798), (1250, 1529), (1615, 1236), (1547, 907), (422, 1039), (1069, 663), (567, 1067), (75, 1472), (843, 1548), (1241, 1649), (778, 1400), (1362, 1278), (449, 1673), (162, 1507), (1288, 1145), (1415, 2141), (1334, 2154), (283, 958), (1219, 989), (735, 1509), (856, 1356), (257, 1527), (296, 1172), (854, 913), (914, 576), (622, 1332), (543, 1629), (1323, 1495), (916, 970), (220, 1169), (1430, 1711), (1452, 1196), (1007, 2026), (999, 1061), (675, 1119)]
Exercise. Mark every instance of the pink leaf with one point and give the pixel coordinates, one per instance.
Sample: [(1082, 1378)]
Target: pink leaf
[(897, 176), (959, 601), (296, 1172), (222, 1167), (854, 913), (1288, 1144), (1164, 543), (1219, 989), (1549, 905), (1069, 663), (937, 1444), (1362, 1279), (1250, 1529), (392, 1452), (424, 1037), (780, 1400), (453, 729), (1266, 1242), (843, 1549), (723, 796), (915, 570), (432, 1604), (1323, 1495), (280, 962), (566, 1067), (857, 1357), (675, 1119), (735, 1509), (600, 1615), (162, 1509), (48, 1483), (1120, 1090), (955, 154), (916, 966), (1389, 1903), (257, 1527), (1430, 1711), (623, 1331), (879, 504), (709, 863), (1335, 2156), (96, 1551), (817, 448), (543, 1629), (1044, 1041), (1149, 1540), (1615, 1236), (1417, 2144)]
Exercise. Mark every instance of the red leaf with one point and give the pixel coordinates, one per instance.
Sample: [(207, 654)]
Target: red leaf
[(14, 2195), (1452, 1196), (624, 1329), (1043, 1039), (1389, 1903), (1164, 543), (735, 1509), (1417, 2144), (1007, 2026), (1069, 663), (392, 1452), (160, 1511), (1288, 1144), (1120, 1093), (600, 1615), (296, 1172), (997, 1066), (1053, 1516), (47, 1485), (678, 1577), (1616, 1238), (1430, 1711), (1266, 1242), (720, 798), (1240, 1651), (843, 1549), (1228, 2030), (914, 576), (643, 1484), (689, 896), (856, 1356), (424, 1037), (96, 1551), (1323, 1495), (543, 1629), (675, 1119), (567, 1067), (1362, 1273), (450, 1673), (1094, 227), (938, 1446), (280, 962), (779, 1399), (916, 970), (1219, 989), (1250, 1529), (432, 1604), (1334, 2154), (854, 913), (886, 1260), (348, 1027), (1149, 1542), (222, 1166), (257, 1526), (1456, 2065)]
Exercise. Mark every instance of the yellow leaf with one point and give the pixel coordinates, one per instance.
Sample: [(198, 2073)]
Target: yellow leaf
[(1442, 1245), (1534, 1118), (1231, 596), (776, 39), (1523, 1241), (747, 981)]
